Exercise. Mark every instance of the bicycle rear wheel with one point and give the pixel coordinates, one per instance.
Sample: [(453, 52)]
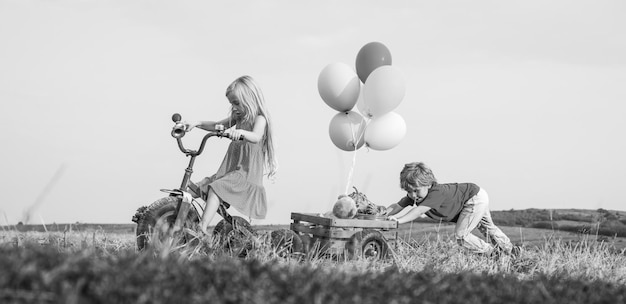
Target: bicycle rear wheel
[(237, 241)]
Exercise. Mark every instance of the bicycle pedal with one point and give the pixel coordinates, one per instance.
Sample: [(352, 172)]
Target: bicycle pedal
[(191, 232)]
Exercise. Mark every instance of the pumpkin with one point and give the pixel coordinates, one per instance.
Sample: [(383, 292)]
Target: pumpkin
[(344, 207)]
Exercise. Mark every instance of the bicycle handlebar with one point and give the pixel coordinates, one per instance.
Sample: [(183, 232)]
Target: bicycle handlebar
[(179, 130)]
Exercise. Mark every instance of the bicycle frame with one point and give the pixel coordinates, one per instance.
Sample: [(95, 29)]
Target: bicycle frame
[(182, 208)]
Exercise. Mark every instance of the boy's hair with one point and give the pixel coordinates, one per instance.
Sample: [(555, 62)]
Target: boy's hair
[(251, 98), (415, 175)]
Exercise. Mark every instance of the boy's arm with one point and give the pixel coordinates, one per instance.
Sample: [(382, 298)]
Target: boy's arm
[(393, 209), (413, 214)]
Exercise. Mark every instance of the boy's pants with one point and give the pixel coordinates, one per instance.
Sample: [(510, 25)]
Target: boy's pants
[(475, 214)]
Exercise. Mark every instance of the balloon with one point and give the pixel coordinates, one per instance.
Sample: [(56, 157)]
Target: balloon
[(370, 57), (384, 90), (385, 132), (346, 130), (339, 86)]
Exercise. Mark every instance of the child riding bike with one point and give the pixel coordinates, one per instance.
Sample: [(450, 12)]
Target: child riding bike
[(239, 180)]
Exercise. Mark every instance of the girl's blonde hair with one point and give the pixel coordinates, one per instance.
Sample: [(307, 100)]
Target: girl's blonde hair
[(251, 98), (415, 175)]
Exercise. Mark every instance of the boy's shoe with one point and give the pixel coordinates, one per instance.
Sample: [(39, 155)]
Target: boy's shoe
[(497, 252), (494, 253)]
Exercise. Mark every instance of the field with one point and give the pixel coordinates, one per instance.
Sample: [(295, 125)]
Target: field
[(91, 264), (529, 237)]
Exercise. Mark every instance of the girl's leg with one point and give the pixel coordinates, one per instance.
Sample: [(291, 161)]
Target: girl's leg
[(212, 203), (469, 219), (493, 233)]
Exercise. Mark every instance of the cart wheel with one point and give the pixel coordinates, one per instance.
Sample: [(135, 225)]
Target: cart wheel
[(236, 241), (286, 242), (368, 244), (306, 243)]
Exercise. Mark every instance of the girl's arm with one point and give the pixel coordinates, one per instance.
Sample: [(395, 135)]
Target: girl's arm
[(254, 136), (208, 125), (413, 214)]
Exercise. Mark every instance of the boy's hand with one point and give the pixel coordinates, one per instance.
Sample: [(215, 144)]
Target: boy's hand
[(392, 218), (382, 210)]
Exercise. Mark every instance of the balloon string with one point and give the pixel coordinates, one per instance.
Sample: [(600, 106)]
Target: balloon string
[(351, 172), (356, 143)]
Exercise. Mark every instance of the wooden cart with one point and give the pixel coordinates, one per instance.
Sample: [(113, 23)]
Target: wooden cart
[(365, 237)]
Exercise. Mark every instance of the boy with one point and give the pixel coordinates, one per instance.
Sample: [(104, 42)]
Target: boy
[(465, 204)]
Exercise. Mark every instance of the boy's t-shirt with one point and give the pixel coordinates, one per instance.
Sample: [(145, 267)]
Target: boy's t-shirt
[(445, 200)]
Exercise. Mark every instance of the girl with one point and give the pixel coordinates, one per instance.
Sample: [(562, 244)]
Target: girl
[(465, 204), (239, 180)]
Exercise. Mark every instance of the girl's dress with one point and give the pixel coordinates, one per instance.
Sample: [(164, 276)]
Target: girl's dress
[(239, 180)]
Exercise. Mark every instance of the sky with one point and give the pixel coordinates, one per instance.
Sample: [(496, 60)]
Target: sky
[(524, 98)]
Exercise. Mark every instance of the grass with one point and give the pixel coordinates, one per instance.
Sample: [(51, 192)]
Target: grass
[(97, 266)]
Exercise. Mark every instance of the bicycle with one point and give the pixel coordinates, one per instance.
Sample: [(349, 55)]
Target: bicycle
[(178, 215)]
